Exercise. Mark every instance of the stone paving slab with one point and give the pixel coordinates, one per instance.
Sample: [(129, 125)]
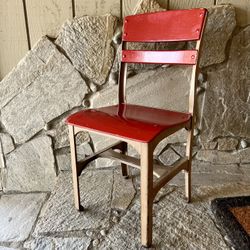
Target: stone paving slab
[(18, 214), (177, 225), (58, 243), (60, 214)]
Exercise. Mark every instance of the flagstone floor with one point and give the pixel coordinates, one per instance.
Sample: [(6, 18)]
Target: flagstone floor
[(111, 219)]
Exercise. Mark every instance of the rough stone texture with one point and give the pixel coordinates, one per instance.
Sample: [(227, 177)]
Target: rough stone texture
[(63, 158), (209, 145), (87, 42), (60, 132), (6, 143), (169, 157), (31, 167), (226, 102), (173, 81), (123, 192), (176, 226), (57, 89), (26, 71), (227, 144), (60, 214), (220, 25), (58, 243), (207, 174), (18, 214), (221, 157), (147, 6)]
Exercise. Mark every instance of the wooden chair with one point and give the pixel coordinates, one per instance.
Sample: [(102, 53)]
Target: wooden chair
[(144, 127)]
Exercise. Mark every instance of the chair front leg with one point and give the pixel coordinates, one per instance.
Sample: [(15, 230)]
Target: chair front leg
[(124, 167), (146, 194), (74, 168)]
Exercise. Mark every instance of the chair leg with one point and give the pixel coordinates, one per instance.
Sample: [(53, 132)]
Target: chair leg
[(74, 168), (124, 166), (188, 172), (146, 195)]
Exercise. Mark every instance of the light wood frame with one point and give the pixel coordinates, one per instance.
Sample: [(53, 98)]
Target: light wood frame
[(149, 188)]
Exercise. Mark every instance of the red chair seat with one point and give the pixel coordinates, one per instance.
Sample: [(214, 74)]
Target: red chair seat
[(128, 121)]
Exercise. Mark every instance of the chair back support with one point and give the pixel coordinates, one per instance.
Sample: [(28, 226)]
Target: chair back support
[(166, 26)]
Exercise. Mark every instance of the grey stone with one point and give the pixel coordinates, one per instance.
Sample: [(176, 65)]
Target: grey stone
[(220, 25), (147, 6), (245, 155), (87, 42), (6, 143), (103, 232), (60, 132), (218, 157), (143, 89), (31, 167), (96, 242), (222, 157), (209, 145), (58, 243), (123, 192), (7, 248), (173, 218), (169, 157), (57, 89), (60, 214), (26, 71), (18, 214), (226, 108), (227, 144), (63, 157), (243, 144), (72, 243), (99, 143), (207, 174)]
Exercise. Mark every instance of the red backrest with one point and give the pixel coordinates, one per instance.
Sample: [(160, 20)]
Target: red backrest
[(166, 26)]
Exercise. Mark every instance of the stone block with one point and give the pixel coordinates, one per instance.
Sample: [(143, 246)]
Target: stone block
[(147, 6), (226, 101), (60, 214), (87, 43), (227, 144), (48, 243), (170, 224), (31, 167), (57, 89), (220, 25), (123, 191), (18, 213), (26, 71), (6, 143), (168, 157)]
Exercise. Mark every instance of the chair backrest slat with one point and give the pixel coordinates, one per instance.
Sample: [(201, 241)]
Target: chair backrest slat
[(187, 57), (176, 25)]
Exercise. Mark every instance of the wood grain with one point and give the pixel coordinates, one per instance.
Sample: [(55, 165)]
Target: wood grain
[(46, 17), (128, 7), (13, 37), (97, 7), (242, 10), (188, 4)]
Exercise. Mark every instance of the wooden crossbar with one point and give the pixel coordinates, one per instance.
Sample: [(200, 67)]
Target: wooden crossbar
[(83, 163), (158, 169), (175, 169)]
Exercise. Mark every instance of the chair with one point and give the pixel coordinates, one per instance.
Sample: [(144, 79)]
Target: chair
[(144, 127)]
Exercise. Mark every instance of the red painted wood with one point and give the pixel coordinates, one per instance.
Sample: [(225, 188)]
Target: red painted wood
[(173, 25), (169, 57), (133, 122)]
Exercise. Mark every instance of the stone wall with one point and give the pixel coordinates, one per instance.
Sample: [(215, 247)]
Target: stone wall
[(79, 70)]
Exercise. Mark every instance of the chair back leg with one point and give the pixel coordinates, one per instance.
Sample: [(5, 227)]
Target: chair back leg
[(124, 150), (146, 194), (74, 168)]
